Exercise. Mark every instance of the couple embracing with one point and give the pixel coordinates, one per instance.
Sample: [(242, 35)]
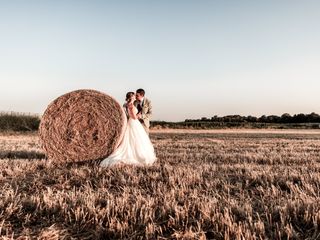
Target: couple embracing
[(135, 147)]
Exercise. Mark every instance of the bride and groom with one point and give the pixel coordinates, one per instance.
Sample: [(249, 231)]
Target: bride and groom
[(135, 147)]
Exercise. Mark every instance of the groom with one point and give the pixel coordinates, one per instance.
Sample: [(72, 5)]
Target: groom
[(144, 109)]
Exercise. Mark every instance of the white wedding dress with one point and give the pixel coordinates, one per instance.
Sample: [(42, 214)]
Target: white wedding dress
[(135, 148)]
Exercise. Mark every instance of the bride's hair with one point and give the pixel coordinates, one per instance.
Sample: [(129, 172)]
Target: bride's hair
[(129, 95)]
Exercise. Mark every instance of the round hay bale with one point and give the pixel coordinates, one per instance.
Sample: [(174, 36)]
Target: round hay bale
[(82, 125)]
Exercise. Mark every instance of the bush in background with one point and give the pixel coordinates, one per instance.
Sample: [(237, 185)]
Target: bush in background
[(18, 122)]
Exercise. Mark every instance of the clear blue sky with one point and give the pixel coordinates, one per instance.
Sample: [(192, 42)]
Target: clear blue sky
[(194, 58)]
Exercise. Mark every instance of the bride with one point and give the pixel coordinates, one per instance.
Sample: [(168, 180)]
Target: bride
[(136, 147)]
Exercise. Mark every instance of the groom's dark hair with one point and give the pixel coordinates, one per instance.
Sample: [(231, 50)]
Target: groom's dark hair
[(141, 91)]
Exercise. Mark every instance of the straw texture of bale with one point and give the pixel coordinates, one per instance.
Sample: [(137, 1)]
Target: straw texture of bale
[(82, 125)]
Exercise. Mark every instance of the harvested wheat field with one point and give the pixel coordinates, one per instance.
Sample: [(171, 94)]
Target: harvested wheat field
[(206, 185)]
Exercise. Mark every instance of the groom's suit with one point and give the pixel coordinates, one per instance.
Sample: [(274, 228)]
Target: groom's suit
[(145, 108)]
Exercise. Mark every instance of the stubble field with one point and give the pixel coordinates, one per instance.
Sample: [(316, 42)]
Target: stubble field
[(221, 184)]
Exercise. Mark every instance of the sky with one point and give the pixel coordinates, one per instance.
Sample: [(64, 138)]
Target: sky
[(194, 58)]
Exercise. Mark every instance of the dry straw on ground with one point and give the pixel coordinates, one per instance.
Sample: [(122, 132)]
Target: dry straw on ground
[(210, 185), (81, 125)]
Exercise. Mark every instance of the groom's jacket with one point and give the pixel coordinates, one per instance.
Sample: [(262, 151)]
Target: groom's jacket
[(145, 109)]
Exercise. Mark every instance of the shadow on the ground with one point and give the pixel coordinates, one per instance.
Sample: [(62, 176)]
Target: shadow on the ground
[(21, 155)]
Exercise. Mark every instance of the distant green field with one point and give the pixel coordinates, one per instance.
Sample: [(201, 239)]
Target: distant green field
[(225, 125)]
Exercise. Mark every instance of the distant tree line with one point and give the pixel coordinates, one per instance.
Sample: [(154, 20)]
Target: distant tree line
[(285, 121), (12, 121), (284, 118)]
